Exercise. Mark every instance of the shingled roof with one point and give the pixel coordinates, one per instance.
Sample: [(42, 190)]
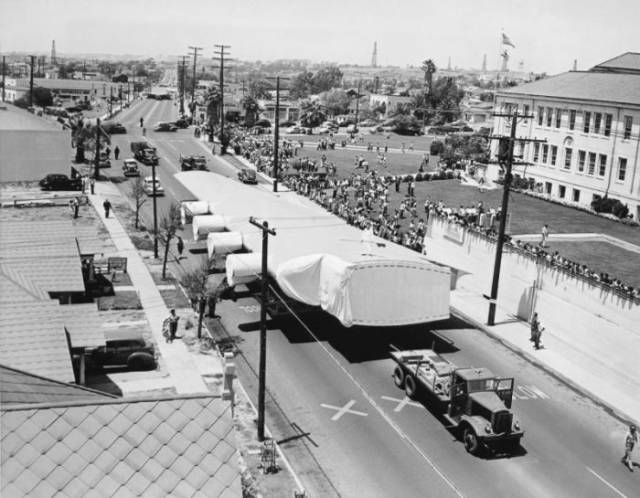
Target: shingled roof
[(19, 387), (606, 87), (180, 446), (628, 62)]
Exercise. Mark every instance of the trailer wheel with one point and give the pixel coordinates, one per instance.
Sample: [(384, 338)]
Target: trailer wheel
[(470, 440), (410, 386), (398, 377)]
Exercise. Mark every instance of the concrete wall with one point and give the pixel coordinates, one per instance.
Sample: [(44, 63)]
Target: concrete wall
[(525, 284)]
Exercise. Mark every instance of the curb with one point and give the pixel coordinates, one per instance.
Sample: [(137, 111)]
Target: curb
[(583, 391)]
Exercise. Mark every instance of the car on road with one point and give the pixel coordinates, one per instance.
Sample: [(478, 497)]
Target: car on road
[(328, 129), (147, 186), (56, 181), (165, 127), (295, 130), (114, 128), (368, 122), (246, 175), (193, 162), (131, 351), (130, 168), (181, 123), (352, 128)]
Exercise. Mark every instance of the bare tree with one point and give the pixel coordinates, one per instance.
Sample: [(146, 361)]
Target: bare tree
[(195, 282), (169, 224), (139, 197)]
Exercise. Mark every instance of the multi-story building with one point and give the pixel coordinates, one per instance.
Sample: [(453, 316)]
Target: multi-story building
[(590, 121)]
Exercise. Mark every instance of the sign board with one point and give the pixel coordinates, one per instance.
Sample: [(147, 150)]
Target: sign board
[(117, 264)]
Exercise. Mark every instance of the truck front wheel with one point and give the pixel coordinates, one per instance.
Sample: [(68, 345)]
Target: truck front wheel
[(470, 440), (410, 386), (398, 377)]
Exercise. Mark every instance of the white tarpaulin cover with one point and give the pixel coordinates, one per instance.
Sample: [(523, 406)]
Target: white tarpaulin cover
[(189, 209), (243, 268), (318, 259), (207, 223), (220, 243)]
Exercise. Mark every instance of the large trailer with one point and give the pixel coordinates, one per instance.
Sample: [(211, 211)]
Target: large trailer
[(475, 402)]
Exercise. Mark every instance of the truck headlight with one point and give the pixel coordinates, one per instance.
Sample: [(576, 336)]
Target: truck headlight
[(487, 428), (516, 425)]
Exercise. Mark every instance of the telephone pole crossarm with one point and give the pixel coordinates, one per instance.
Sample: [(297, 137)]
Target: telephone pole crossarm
[(262, 369)]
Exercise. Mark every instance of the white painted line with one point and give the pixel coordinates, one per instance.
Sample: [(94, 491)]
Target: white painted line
[(607, 483), (401, 402), (172, 146), (342, 410)]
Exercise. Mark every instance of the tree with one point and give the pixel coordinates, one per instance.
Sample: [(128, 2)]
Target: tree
[(260, 89), (84, 138), (42, 97), (406, 125), (169, 224), (251, 110), (429, 69), (302, 85), (335, 101), (136, 190), (312, 114), (196, 283), (212, 104), (325, 79)]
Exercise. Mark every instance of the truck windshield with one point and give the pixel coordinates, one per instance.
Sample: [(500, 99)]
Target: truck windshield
[(482, 385)]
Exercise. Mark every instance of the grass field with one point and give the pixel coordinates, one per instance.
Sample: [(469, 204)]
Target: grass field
[(420, 143)]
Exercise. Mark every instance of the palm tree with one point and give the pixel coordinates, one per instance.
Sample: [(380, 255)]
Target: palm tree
[(312, 114), (251, 110), (429, 69), (212, 104)]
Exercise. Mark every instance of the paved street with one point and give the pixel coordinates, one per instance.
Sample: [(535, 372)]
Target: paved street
[(334, 400)]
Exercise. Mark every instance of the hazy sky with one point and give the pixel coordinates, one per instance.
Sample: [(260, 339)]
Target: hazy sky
[(548, 34)]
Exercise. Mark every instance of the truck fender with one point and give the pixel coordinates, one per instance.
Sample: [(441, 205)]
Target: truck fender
[(477, 423)]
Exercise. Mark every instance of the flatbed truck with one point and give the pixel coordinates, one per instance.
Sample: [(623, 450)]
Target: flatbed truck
[(475, 402)]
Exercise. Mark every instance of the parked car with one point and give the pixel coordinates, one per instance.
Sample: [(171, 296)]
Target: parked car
[(165, 127), (295, 130), (197, 162), (247, 175), (182, 123), (147, 186), (114, 128), (352, 128), (130, 351), (368, 122), (56, 181), (130, 168)]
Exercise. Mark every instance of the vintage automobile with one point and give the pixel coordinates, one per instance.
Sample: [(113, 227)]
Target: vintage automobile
[(113, 128), (193, 162), (130, 351), (130, 168), (56, 181), (147, 186), (165, 127), (246, 175)]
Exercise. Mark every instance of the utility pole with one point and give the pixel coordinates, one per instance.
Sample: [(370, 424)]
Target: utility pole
[(221, 52), (110, 100), (183, 83), (96, 158), (358, 105), (32, 57), (155, 212), (276, 135), (262, 369), (193, 86), (505, 205), (4, 71)]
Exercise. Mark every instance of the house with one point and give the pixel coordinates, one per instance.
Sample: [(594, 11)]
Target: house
[(590, 124), (390, 102), (73, 89)]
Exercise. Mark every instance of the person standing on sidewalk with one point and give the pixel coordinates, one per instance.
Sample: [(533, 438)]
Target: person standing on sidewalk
[(544, 235), (534, 325), (107, 207), (537, 333), (180, 247), (629, 443), (172, 322), (92, 184), (116, 152)]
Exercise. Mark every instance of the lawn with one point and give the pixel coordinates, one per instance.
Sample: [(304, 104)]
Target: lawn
[(394, 141)]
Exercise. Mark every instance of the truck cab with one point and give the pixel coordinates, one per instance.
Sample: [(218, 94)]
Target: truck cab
[(481, 408)]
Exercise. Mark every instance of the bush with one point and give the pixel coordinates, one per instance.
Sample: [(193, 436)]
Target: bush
[(609, 205), (436, 147)]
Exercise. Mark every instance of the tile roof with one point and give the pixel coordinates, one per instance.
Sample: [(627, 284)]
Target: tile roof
[(32, 338), (37, 239), (18, 387), (180, 446), (616, 88), (84, 325), (629, 61)]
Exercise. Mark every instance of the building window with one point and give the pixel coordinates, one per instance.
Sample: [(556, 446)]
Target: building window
[(622, 168), (597, 122), (608, 118), (540, 115), (568, 152), (602, 169), (628, 123), (536, 152), (558, 117), (576, 195), (572, 119), (562, 191), (549, 116), (525, 111), (547, 187), (554, 154), (592, 163), (582, 158), (545, 153), (587, 121)]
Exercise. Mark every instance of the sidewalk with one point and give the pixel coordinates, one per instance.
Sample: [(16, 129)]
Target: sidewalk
[(183, 371), (601, 364)]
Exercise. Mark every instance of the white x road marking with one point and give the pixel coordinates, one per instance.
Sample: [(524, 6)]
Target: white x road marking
[(401, 402), (343, 410)]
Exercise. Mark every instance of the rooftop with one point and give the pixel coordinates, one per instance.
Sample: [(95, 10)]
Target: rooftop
[(13, 118), (180, 446), (67, 84), (628, 62), (609, 87)]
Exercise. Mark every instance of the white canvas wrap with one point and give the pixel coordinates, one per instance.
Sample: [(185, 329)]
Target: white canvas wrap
[(207, 223), (243, 268), (189, 209), (221, 243)]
